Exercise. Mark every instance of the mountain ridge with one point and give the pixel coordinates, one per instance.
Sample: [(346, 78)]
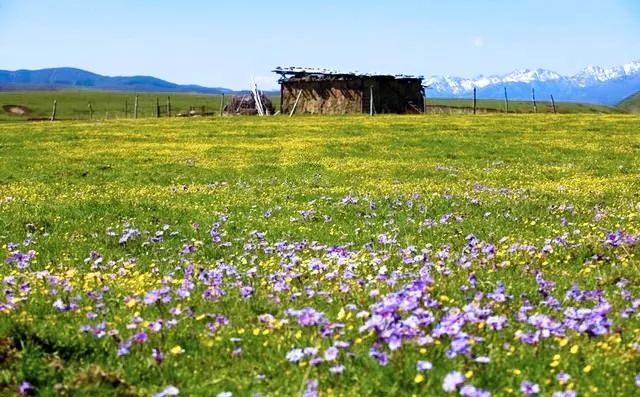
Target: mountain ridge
[(74, 78), (592, 84)]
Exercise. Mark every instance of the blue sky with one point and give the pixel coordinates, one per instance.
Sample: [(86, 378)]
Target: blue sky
[(224, 43)]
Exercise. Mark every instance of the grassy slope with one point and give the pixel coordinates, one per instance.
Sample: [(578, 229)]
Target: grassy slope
[(110, 105), (68, 182), (631, 104)]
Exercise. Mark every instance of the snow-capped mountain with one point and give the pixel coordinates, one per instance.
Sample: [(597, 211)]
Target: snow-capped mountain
[(593, 84)]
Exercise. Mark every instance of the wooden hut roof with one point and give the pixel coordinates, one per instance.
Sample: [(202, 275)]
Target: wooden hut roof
[(302, 73)]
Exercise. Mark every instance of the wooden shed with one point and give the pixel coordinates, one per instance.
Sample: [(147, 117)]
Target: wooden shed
[(315, 91)]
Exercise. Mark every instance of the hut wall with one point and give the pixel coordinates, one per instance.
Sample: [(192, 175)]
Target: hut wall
[(395, 96), (322, 97)]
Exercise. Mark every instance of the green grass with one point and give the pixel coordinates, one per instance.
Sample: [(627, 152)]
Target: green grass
[(489, 105), (631, 104), (73, 105), (69, 189)]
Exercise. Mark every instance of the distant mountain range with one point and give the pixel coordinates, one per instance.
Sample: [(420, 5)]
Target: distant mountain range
[(71, 78), (593, 84)]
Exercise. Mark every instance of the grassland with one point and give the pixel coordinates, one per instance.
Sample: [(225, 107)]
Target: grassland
[(631, 104), (73, 105), (341, 255)]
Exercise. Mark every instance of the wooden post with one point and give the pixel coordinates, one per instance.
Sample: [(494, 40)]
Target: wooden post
[(553, 102), (135, 108), (55, 108), (222, 104), (169, 106), (90, 111), (371, 100), (295, 104), (506, 100), (535, 104), (475, 100), (126, 108), (157, 107)]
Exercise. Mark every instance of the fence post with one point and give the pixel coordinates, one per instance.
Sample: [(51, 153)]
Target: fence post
[(90, 111), (553, 102), (222, 104), (55, 106), (157, 107), (169, 106), (126, 108), (506, 100), (475, 100), (535, 105), (135, 108)]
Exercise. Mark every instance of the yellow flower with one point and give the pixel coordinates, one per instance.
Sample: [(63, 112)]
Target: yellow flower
[(419, 378), (587, 369), (574, 349), (177, 349)]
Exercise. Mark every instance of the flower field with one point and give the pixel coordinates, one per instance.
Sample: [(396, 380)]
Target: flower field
[(395, 255)]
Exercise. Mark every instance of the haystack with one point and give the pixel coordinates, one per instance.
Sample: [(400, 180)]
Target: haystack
[(245, 105)]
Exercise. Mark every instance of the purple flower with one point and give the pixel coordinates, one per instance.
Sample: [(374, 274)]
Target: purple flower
[(529, 388), (566, 393), (140, 337), (25, 388), (336, 369), (638, 380), (295, 355), (168, 391), (563, 377), (331, 353), (423, 366), (157, 355), (452, 380), (311, 389)]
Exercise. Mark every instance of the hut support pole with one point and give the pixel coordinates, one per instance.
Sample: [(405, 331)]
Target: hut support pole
[(553, 102), (135, 108), (370, 100), (506, 100), (295, 104)]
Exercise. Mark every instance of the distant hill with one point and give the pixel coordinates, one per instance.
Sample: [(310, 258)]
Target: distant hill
[(71, 78), (631, 104)]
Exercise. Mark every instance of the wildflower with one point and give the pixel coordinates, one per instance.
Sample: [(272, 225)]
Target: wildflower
[(529, 388), (224, 394), (563, 377), (336, 369), (295, 355), (177, 349), (452, 380), (168, 391), (311, 389), (423, 366), (25, 388), (419, 378), (566, 393), (331, 353), (157, 355)]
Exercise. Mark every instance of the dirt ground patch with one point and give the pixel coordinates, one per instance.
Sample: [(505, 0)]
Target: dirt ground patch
[(17, 110)]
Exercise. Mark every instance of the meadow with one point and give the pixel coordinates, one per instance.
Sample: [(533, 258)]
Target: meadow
[(74, 105), (394, 255)]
